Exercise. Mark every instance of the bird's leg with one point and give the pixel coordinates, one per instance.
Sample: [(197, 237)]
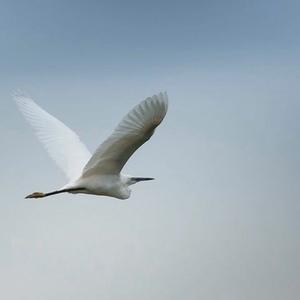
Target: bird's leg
[(42, 195)]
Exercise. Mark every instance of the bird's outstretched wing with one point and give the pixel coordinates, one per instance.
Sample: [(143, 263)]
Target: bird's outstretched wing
[(132, 132), (62, 144)]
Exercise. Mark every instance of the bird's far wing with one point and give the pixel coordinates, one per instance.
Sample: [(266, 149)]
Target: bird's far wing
[(132, 132), (62, 144)]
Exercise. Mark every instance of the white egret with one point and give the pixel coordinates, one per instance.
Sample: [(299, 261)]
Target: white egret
[(97, 174)]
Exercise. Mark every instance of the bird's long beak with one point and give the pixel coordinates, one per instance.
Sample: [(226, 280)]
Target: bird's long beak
[(143, 178), (134, 180)]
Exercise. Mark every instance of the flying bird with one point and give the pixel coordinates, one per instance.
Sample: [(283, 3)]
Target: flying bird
[(100, 173)]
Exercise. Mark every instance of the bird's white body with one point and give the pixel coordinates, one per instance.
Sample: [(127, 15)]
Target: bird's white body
[(100, 173), (116, 186)]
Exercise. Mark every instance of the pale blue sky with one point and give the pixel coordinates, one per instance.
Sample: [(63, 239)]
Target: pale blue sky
[(221, 220)]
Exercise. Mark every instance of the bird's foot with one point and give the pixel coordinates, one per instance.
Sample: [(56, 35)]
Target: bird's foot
[(35, 195)]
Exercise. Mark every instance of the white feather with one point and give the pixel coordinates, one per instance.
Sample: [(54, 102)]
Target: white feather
[(132, 132), (62, 144)]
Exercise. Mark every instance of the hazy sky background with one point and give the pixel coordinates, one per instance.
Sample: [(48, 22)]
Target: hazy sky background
[(221, 220)]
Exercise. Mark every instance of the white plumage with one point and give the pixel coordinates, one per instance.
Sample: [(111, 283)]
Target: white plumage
[(99, 173)]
